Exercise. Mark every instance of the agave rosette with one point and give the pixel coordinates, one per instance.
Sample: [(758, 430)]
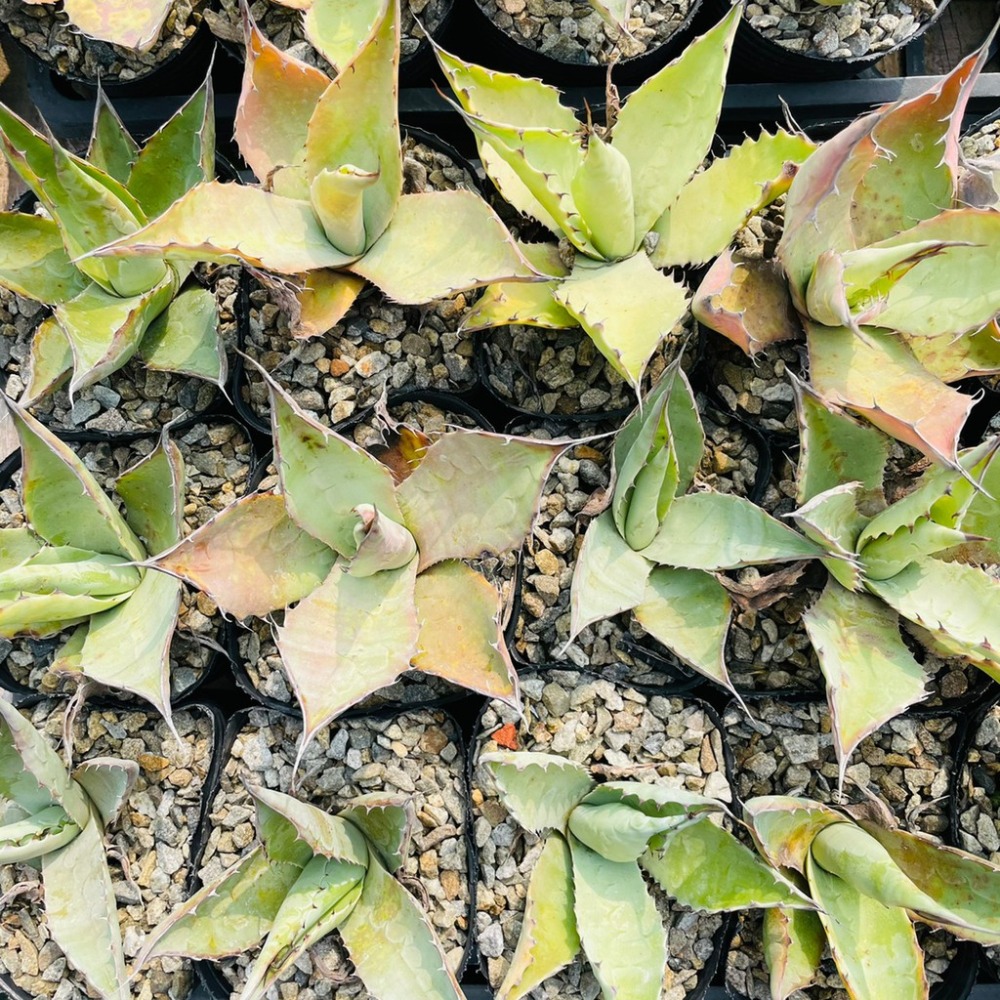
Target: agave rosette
[(622, 200), (886, 268)]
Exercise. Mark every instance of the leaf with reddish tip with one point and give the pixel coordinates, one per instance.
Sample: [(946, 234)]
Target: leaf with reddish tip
[(185, 338), (338, 28), (539, 790), (793, 949), (628, 308), (278, 562), (461, 637), (347, 639), (464, 245), (50, 361), (133, 24), (871, 676), (549, 940), (111, 147), (747, 302), (783, 827), (876, 376), (33, 261), (474, 492)]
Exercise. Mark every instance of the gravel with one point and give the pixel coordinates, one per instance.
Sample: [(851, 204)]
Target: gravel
[(418, 754), (620, 734), (153, 833)]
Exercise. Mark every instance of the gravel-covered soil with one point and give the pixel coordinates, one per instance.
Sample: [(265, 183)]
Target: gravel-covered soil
[(153, 834), (621, 734), (417, 755)]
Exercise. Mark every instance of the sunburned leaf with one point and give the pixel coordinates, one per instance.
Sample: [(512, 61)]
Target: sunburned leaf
[(975, 353), (793, 949), (132, 25)]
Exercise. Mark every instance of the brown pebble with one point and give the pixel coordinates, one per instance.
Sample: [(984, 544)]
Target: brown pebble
[(434, 740), (339, 367), (153, 762)]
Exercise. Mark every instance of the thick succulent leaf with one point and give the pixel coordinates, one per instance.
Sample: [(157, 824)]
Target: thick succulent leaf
[(688, 611), (870, 674), (386, 821), (964, 885), (108, 783), (80, 911), (43, 615), (153, 491), (539, 790), (666, 127), (133, 25), (876, 376), (278, 97), (474, 492), (338, 199), (609, 577), (747, 302), (705, 867), (461, 635), (278, 562), (874, 946), (64, 570), (616, 831), (628, 308), (793, 949), (111, 148), (185, 338), (714, 531), (834, 448), (602, 190), (231, 915), (737, 187), (549, 940), (50, 361), (16, 546), (653, 800), (36, 835), (105, 330), (338, 28), (355, 122), (324, 476), (177, 156), (382, 543), (319, 300), (277, 833), (619, 926), (393, 945), (348, 638), (67, 658), (783, 827), (975, 353), (33, 261), (209, 223), (62, 500), (833, 520), (890, 554), (464, 245)]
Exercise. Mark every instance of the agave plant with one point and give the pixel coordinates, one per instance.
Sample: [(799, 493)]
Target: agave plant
[(50, 816), (925, 560), (314, 873), (373, 556), (587, 889), (659, 547), (106, 311), (621, 199), (886, 267), (78, 563), (133, 25), (330, 212), (869, 881)]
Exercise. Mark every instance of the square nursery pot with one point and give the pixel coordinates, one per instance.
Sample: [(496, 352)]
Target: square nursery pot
[(619, 732), (152, 845), (418, 754), (218, 456), (909, 764)]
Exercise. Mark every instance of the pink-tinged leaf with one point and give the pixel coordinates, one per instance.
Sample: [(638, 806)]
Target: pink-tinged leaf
[(783, 827), (325, 476), (382, 543), (132, 24), (877, 377), (278, 97), (463, 245), (278, 563), (826, 294), (350, 637), (461, 638), (475, 492), (50, 362), (975, 353), (108, 783), (210, 224), (747, 302), (33, 261), (870, 674), (793, 949)]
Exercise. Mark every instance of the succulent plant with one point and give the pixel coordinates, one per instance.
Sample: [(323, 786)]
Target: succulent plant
[(133, 25), (80, 564), (372, 554), (50, 816), (924, 560), (886, 267), (314, 873), (587, 889), (106, 311), (621, 200), (659, 547), (869, 881), (330, 213)]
